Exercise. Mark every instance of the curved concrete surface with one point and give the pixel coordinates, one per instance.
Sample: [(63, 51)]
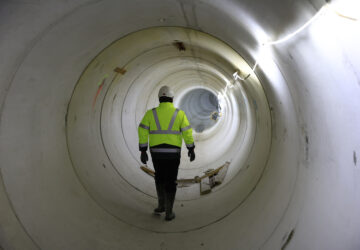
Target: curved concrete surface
[(77, 76)]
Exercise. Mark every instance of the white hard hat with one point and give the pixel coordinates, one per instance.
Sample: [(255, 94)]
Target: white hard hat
[(166, 91)]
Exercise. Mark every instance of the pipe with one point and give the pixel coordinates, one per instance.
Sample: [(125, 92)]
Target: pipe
[(77, 78)]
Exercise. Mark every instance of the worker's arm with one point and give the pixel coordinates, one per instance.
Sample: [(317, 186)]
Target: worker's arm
[(186, 131), (143, 131)]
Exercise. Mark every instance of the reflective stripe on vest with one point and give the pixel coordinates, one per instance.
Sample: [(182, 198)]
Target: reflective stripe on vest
[(156, 119), (185, 128), (169, 131), (165, 150), (164, 132)]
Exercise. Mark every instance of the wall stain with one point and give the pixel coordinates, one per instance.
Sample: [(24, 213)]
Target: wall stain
[(179, 45), (273, 122), (114, 99), (100, 84), (306, 147), (354, 158), (255, 104), (306, 142), (120, 70), (188, 9), (285, 132), (290, 55), (288, 239)]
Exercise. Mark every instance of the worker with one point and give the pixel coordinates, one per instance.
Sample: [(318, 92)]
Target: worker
[(163, 129)]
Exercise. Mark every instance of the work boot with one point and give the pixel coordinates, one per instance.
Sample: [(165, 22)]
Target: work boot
[(161, 199), (169, 203), (170, 216)]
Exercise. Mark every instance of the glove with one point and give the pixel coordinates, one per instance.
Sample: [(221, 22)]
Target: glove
[(144, 157), (191, 154)]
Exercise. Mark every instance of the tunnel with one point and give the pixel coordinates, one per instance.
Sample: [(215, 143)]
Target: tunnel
[(271, 88)]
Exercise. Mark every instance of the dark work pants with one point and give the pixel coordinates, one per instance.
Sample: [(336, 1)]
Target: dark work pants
[(166, 171)]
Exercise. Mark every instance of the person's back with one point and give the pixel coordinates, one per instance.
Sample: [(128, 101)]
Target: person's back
[(165, 127)]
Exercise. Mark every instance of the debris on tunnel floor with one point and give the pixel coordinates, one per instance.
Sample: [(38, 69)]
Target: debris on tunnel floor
[(147, 170), (210, 179), (215, 178)]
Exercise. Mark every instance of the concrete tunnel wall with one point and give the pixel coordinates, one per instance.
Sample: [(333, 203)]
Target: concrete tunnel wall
[(293, 183)]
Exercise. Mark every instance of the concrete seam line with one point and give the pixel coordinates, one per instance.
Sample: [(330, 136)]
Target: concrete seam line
[(297, 167), (32, 45), (14, 211), (24, 55)]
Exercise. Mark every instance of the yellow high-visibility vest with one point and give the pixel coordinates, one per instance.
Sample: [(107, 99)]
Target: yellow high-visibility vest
[(165, 125)]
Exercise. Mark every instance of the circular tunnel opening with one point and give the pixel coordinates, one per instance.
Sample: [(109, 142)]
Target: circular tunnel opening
[(202, 108), (123, 81), (105, 202)]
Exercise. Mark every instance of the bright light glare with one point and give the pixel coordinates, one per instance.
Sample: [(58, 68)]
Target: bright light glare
[(284, 39), (265, 45), (349, 9)]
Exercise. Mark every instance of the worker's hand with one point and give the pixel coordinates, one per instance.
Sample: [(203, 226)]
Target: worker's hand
[(191, 154), (144, 157)]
